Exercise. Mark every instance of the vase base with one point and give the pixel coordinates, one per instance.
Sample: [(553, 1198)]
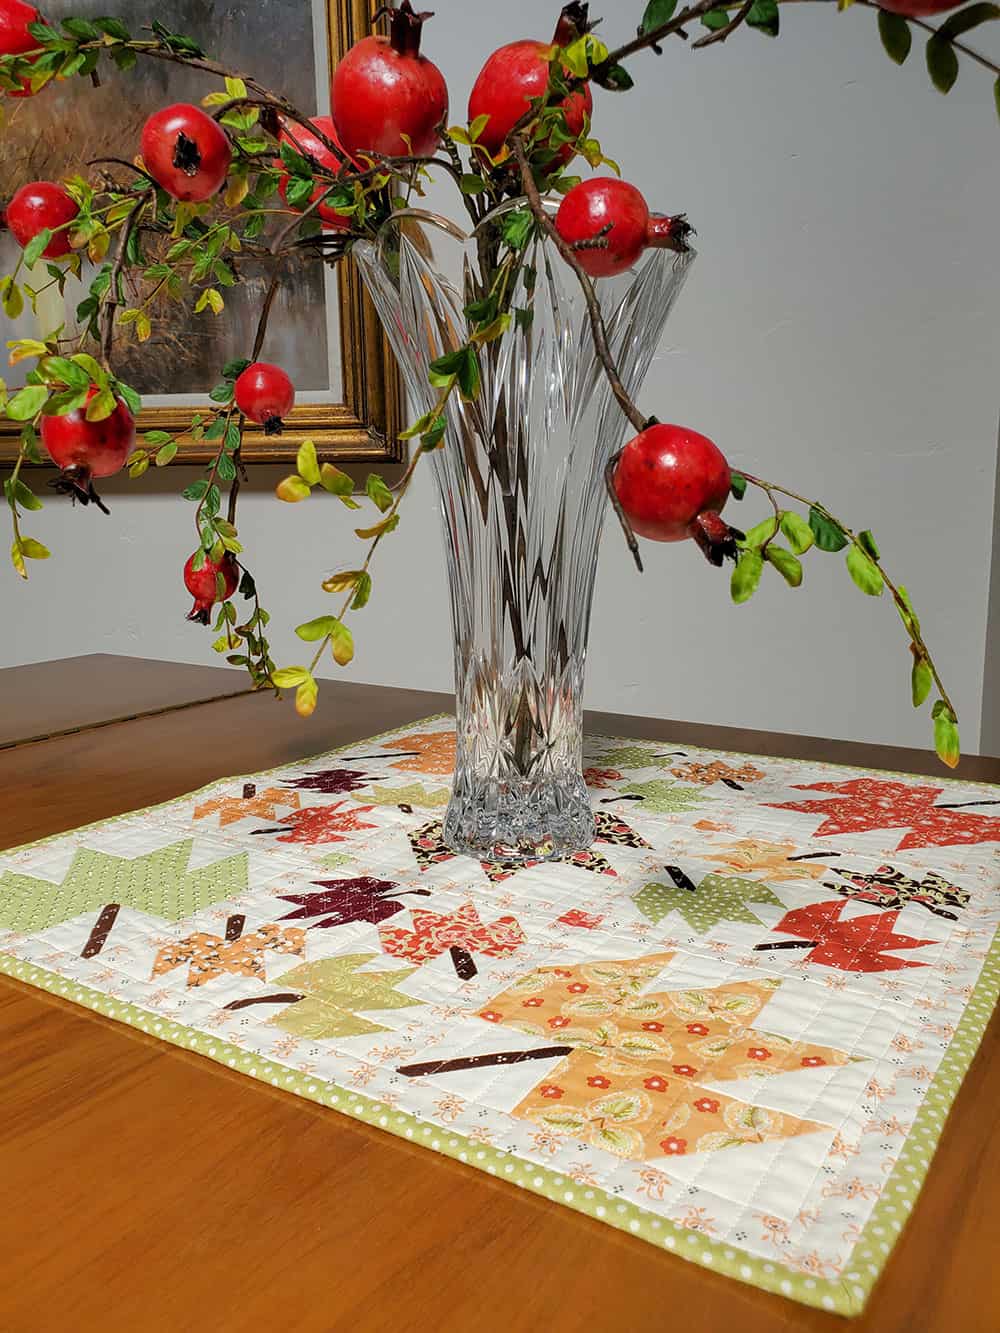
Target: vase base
[(534, 821)]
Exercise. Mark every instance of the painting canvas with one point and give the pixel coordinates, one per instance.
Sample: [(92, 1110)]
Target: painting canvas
[(321, 329)]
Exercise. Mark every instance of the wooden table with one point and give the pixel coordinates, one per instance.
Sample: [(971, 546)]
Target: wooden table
[(149, 1190)]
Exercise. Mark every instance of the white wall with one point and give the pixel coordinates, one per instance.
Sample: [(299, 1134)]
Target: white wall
[(839, 333)]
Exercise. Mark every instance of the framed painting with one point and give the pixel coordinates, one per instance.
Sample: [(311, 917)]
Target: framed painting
[(322, 328)]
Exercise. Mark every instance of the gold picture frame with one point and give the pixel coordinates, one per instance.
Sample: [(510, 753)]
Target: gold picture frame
[(365, 426)]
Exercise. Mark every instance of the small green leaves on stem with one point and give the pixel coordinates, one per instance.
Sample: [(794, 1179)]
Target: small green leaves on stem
[(895, 34), (830, 536), (746, 576), (461, 367), (738, 485)]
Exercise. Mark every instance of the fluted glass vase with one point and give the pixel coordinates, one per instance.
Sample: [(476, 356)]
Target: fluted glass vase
[(521, 483)]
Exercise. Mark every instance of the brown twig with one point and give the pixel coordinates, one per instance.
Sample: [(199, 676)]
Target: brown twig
[(720, 34), (111, 301), (598, 330)]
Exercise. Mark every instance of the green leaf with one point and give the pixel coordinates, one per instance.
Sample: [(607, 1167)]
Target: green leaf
[(288, 677), (307, 464), (292, 489), (314, 630), (378, 492), (380, 529), (615, 78), (101, 405), (154, 438), (864, 572), (33, 250), (996, 94), (830, 536), (746, 576), (797, 531), (113, 27), (896, 36), (363, 591), (420, 425), (132, 400), (516, 227), (341, 644), (432, 438), (196, 490), (11, 297), (234, 369), (221, 393), (738, 485), (921, 681), (942, 64), (27, 402), (966, 19), (762, 531), (907, 614), (338, 483), (233, 437), (946, 739), (306, 696), (34, 550), (868, 542), (763, 16), (472, 184), (786, 564), (657, 13), (24, 495), (715, 19), (17, 559)]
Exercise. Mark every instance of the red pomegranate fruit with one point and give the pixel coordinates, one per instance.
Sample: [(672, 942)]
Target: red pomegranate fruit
[(40, 205), (186, 152), (203, 584), (311, 147), (265, 394), (15, 39), (518, 72), (83, 450), (672, 483), (917, 9), (613, 215), (387, 97)]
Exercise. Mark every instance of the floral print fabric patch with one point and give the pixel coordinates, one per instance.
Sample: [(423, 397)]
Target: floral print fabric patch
[(732, 1027)]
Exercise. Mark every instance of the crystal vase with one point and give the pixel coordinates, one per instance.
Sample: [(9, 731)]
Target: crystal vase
[(520, 477)]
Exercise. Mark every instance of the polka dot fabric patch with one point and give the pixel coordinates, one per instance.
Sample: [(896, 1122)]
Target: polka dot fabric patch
[(734, 1028)]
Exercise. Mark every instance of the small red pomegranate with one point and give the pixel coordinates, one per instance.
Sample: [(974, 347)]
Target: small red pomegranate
[(672, 483), (265, 394), (311, 147), (387, 97), (203, 584), (916, 9), (612, 211), (38, 205), (15, 38), (83, 449), (186, 152), (520, 71)]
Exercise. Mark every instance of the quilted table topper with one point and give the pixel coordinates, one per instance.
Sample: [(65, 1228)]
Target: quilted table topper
[(733, 1026)]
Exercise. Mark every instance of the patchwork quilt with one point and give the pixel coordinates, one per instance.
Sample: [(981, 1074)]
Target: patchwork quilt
[(733, 1026)]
